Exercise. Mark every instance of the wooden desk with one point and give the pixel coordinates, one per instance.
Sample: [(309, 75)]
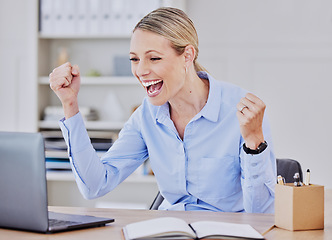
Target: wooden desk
[(261, 222)]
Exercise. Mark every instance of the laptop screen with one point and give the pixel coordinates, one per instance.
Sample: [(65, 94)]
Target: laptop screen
[(23, 198)]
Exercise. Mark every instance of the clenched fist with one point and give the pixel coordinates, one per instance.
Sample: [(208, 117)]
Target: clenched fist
[(65, 82), (250, 114)]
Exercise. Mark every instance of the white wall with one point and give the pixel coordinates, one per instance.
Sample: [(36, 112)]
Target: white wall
[(281, 51), (18, 51)]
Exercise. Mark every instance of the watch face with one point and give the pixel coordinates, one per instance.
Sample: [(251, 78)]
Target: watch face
[(262, 147)]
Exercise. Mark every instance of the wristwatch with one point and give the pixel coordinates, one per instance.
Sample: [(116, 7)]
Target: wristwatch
[(261, 147)]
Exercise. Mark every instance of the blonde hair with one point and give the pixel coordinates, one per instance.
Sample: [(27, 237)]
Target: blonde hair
[(174, 25)]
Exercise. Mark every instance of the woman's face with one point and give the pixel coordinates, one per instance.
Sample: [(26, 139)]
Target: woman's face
[(157, 66)]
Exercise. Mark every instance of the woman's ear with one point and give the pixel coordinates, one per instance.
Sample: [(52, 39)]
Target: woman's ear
[(189, 54)]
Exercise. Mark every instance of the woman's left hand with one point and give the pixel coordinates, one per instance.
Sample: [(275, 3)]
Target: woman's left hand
[(250, 115)]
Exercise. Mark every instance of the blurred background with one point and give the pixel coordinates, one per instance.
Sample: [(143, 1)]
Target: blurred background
[(279, 50)]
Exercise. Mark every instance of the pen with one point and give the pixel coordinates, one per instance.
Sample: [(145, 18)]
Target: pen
[(297, 182), (307, 177), (280, 180)]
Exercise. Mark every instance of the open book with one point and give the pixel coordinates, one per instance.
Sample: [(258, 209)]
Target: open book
[(175, 228)]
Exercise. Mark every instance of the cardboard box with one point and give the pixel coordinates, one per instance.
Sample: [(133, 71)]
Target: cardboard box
[(299, 208)]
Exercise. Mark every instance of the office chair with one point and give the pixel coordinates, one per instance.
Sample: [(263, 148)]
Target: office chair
[(285, 167), (156, 202)]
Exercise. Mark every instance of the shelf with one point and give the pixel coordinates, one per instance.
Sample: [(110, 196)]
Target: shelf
[(90, 125), (83, 36), (69, 176), (120, 80), (63, 154), (60, 176)]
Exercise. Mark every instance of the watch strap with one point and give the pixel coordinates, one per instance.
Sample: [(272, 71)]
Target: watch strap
[(261, 147)]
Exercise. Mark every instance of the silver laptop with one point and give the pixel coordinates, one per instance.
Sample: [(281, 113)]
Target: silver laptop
[(23, 194)]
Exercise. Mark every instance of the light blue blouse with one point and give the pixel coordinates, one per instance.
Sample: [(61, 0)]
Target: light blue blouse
[(207, 170)]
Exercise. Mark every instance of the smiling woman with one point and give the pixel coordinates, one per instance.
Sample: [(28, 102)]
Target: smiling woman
[(202, 136), (161, 69), (174, 25)]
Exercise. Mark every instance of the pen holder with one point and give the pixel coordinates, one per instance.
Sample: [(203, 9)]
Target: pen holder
[(299, 208)]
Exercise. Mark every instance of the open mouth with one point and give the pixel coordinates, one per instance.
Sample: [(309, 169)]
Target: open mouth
[(153, 88)]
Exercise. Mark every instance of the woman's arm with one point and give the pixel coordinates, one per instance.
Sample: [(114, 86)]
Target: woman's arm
[(259, 177), (97, 176), (94, 176), (258, 170)]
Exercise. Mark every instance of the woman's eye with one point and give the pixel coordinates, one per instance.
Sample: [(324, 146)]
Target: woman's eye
[(133, 59), (155, 59)]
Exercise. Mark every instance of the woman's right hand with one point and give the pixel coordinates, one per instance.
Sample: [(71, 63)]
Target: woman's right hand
[(65, 82)]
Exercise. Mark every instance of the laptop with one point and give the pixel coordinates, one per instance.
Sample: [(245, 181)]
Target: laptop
[(23, 193)]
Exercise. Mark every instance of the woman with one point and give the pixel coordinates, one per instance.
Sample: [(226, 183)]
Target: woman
[(208, 143)]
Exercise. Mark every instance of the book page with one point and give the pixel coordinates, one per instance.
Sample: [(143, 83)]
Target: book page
[(206, 229), (166, 226)]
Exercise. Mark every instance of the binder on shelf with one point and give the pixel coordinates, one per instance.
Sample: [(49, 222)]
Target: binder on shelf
[(129, 20), (46, 16), (69, 17), (59, 19), (56, 155), (94, 16), (105, 18), (146, 6), (56, 147), (57, 164), (81, 24), (116, 27), (135, 10)]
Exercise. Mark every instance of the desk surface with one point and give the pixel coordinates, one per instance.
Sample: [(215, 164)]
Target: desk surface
[(262, 222)]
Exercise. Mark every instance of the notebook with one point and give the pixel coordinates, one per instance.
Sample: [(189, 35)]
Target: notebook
[(23, 193)]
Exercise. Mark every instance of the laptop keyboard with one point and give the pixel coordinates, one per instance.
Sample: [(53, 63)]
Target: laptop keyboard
[(57, 222)]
